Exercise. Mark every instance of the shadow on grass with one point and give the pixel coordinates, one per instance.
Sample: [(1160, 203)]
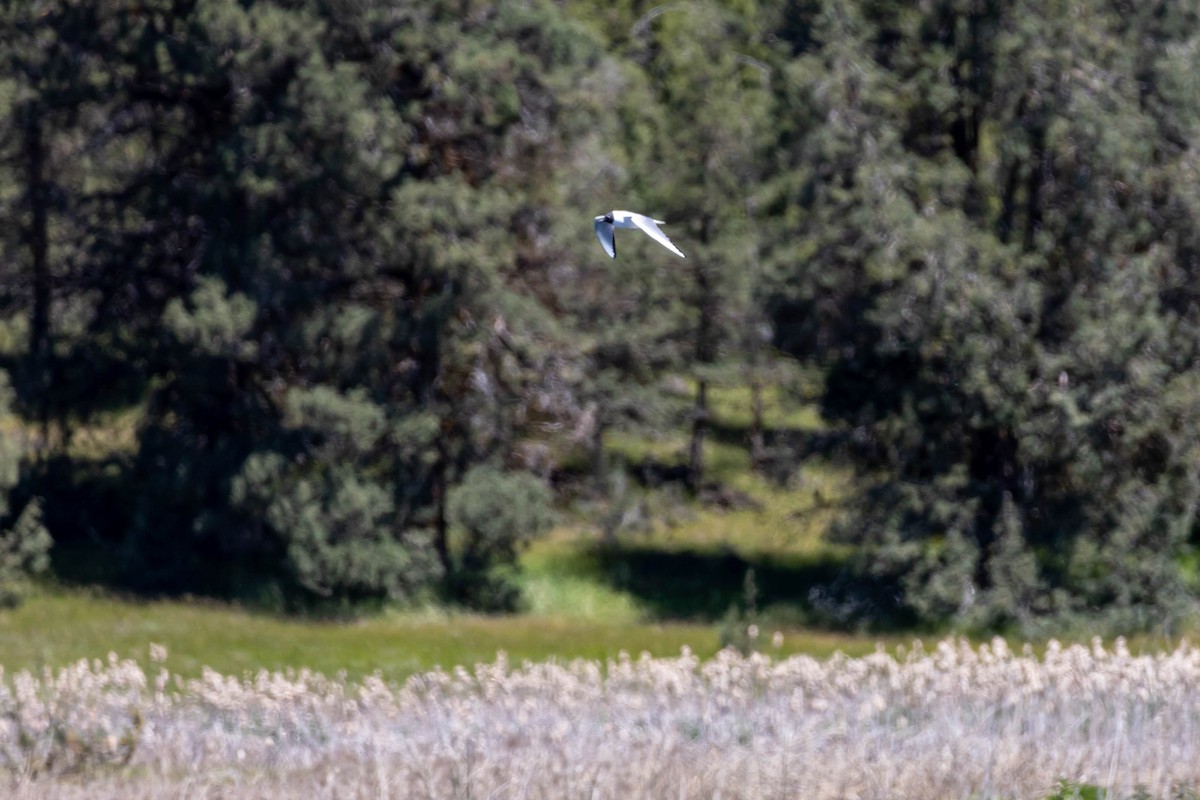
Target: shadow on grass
[(90, 512), (701, 586)]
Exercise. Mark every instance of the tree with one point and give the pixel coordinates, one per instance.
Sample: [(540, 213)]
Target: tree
[(313, 257), (716, 99), (55, 120), (984, 273)]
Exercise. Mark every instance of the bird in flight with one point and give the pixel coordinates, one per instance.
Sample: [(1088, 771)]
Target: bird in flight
[(627, 219)]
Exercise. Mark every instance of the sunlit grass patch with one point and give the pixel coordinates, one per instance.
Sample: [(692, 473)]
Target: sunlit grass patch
[(558, 577), (105, 435), (110, 433), (631, 448), (792, 518), (782, 408)]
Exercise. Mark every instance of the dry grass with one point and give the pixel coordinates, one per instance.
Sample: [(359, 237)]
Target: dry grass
[(954, 722)]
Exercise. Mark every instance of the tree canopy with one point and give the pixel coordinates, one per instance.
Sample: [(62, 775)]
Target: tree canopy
[(338, 258)]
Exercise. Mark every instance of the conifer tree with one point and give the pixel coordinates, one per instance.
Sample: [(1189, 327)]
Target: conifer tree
[(963, 249)]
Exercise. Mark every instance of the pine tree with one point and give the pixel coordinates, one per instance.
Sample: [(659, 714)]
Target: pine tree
[(982, 262), (328, 295)]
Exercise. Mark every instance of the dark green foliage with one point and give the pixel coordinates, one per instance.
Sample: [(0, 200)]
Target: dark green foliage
[(299, 226), (496, 513), (993, 266), (23, 553), (24, 542)]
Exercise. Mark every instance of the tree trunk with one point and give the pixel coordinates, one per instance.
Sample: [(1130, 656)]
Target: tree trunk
[(598, 457), (441, 526), (757, 443), (695, 475), (38, 241), (706, 306)]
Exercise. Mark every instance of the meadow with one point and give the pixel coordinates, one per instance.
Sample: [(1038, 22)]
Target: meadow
[(950, 721), (60, 626), (106, 695)]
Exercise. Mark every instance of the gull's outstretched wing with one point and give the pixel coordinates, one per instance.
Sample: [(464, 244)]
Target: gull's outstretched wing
[(651, 228), (604, 232)]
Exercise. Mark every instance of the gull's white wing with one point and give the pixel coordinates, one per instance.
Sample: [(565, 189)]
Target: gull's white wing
[(604, 232), (651, 228)]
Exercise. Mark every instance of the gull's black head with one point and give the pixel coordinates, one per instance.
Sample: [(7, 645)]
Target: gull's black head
[(605, 217)]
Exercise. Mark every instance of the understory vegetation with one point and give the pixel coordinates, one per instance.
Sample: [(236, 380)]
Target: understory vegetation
[(952, 721)]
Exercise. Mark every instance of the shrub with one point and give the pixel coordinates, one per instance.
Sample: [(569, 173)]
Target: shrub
[(497, 513), (24, 542)]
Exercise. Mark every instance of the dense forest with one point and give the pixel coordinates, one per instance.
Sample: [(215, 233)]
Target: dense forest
[(323, 272)]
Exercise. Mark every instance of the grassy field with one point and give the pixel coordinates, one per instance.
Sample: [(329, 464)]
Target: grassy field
[(60, 626)]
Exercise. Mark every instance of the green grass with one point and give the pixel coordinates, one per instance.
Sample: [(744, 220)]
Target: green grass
[(787, 523), (1068, 790), (818, 486), (57, 627), (558, 576), (733, 406)]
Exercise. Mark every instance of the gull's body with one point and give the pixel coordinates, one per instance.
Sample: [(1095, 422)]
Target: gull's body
[(605, 224)]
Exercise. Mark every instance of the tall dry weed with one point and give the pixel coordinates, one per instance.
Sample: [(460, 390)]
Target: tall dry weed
[(953, 722)]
